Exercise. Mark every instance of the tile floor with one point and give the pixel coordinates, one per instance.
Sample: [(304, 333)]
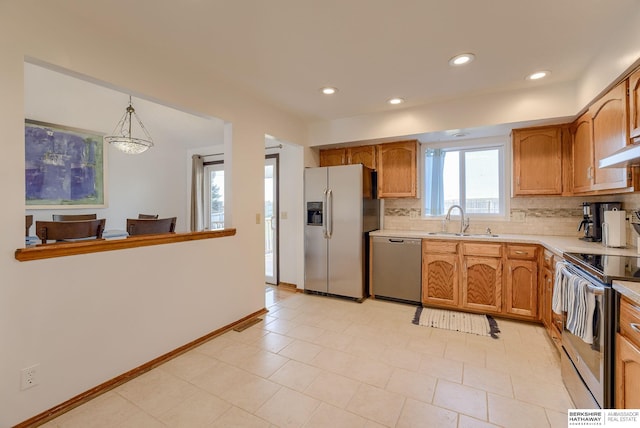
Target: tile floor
[(324, 362)]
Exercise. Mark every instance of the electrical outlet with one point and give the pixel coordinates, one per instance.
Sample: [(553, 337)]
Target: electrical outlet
[(258, 218), (29, 376), (284, 215)]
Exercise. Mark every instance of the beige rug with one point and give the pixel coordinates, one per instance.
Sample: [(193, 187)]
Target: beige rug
[(482, 325)]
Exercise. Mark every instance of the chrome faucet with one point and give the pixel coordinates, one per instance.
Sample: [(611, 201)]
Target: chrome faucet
[(464, 223)]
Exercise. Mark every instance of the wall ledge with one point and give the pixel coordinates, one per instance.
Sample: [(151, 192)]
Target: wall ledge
[(47, 251)]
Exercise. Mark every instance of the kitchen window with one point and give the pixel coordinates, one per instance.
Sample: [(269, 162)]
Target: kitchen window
[(471, 176)]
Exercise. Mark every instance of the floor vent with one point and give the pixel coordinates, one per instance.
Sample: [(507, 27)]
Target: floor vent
[(245, 325)]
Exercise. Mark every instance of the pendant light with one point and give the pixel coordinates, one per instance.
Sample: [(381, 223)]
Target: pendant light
[(122, 138)]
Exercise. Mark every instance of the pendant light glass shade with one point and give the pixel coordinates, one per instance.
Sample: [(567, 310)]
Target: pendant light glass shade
[(122, 137)]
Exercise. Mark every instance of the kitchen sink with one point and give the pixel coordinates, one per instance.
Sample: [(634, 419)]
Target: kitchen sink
[(479, 235)]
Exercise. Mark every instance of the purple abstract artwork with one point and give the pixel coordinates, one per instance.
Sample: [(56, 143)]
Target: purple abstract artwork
[(63, 166)]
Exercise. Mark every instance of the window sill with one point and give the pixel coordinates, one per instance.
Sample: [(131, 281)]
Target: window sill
[(47, 251)]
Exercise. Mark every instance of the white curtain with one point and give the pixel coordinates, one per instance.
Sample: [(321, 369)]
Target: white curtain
[(197, 193), (434, 167)]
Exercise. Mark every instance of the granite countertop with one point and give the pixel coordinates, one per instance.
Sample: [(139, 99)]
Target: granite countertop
[(630, 290), (555, 244)]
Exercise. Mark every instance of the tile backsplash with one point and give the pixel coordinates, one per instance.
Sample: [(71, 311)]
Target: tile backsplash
[(528, 215)]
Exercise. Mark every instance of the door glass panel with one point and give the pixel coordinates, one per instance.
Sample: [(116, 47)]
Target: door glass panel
[(214, 206), (270, 221)]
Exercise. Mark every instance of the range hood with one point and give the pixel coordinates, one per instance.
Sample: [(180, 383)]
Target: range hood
[(628, 156)]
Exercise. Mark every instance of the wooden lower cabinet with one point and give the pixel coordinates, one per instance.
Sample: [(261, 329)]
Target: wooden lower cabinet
[(440, 283), (482, 284), (627, 374), (481, 277), (627, 378), (521, 288)]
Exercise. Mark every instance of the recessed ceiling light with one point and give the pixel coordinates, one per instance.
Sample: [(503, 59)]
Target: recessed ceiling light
[(395, 101), (461, 59), (329, 90), (538, 75)]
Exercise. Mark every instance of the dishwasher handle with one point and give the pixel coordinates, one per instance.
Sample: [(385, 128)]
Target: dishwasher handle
[(388, 240)]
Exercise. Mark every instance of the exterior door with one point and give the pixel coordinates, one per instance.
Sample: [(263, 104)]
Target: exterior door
[(271, 219)]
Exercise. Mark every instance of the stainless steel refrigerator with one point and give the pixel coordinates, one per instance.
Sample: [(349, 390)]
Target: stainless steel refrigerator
[(341, 209)]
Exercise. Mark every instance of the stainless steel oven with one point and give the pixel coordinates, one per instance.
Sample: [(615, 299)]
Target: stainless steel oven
[(586, 367), (589, 330)]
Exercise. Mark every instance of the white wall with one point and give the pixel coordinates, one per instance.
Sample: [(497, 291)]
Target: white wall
[(86, 319), (292, 227)]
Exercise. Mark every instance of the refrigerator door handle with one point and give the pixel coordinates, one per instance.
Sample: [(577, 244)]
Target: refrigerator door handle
[(329, 213), (325, 214)]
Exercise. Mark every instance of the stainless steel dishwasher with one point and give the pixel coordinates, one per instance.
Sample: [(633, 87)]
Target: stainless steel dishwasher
[(397, 269)]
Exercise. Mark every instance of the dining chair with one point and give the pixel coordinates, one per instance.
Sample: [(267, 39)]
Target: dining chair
[(148, 216), (147, 226), (74, 217), (70, 230)]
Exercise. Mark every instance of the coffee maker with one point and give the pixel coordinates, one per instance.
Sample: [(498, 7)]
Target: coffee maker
[(593, 217)]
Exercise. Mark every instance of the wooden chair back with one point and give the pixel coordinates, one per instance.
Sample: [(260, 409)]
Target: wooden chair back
[(69, 230), (74, 217), (147, 226), (28, 221), (148, 216)]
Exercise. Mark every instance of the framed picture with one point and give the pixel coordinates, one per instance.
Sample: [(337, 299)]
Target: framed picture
[(64, 167)]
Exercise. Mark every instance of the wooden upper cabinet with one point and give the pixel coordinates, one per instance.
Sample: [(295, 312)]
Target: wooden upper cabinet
[(610, 134), (366, 155), (537, 161), (333, 157), (634, 106), (397, 169), (582, 154)]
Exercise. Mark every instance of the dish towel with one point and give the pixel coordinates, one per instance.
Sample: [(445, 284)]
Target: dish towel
[(576, 296)]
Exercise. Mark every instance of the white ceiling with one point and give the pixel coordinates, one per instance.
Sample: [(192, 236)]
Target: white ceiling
[(371, 50)]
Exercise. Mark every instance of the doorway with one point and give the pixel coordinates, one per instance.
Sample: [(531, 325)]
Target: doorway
[(271, 211)]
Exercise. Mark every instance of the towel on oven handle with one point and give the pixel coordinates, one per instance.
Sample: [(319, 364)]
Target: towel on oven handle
[(574, 295)]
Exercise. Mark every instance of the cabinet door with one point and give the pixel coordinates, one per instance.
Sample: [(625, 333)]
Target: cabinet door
[(521, 288), (333, 157), (546, 296), (634, 105), (533, 148), (482, 284), (397, 174), (366, 155), (582, 154), (440, 277), (610, 133), (627, 374)]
